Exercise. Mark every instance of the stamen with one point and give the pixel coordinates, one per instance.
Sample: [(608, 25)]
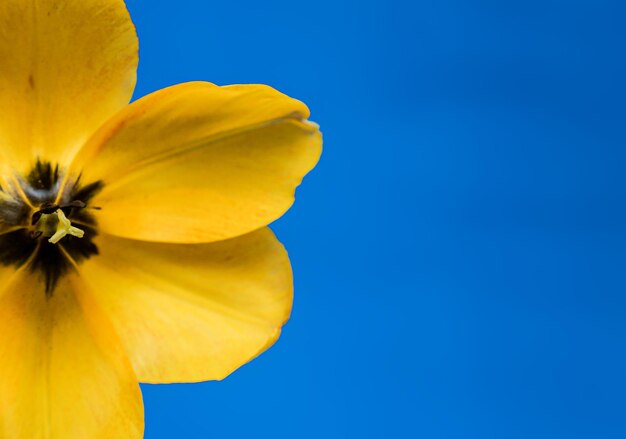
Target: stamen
[(64, 228)]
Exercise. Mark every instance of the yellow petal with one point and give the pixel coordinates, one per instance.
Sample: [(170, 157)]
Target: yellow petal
[(63, 373), (200, 163), (193, 312), (65, 67)]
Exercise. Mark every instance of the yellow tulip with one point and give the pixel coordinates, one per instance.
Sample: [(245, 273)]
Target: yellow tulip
[(133, 238)]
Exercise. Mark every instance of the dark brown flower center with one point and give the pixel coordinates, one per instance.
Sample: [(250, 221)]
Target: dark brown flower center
[(27, 220)]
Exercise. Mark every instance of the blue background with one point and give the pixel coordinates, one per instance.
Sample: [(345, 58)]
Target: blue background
[(459, 252)]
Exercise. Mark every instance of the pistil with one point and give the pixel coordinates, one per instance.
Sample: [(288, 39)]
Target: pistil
[(64, 228), (57, 226)]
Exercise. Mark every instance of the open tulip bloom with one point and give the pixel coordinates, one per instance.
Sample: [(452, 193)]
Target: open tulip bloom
[(133, 238)]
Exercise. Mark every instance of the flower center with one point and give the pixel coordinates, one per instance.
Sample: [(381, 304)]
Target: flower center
[(46, 227)]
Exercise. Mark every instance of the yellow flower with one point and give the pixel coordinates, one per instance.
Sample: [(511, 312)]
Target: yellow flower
[(133, 244)]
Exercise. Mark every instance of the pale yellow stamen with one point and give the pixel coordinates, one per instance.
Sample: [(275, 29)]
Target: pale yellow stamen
[(64, 228)]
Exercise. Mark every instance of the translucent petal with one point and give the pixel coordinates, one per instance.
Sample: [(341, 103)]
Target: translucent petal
[(65, 67), (63, 373), (200, 163), (193, 312)]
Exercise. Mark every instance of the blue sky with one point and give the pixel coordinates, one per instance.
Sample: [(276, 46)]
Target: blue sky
[(459, 251)]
